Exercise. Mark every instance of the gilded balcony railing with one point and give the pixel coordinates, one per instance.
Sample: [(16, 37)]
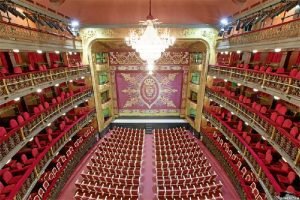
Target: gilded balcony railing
[(283, 31), (280, 139), (263, 174), (14, 140), (24, 186), (17, 85), (283, 86)]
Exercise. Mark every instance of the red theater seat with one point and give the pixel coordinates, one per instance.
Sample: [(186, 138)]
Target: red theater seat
[(287, 180), (18, 70), (9, 179)]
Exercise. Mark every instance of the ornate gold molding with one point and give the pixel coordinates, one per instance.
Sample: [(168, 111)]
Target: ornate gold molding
[(22, 34), (277, 33)]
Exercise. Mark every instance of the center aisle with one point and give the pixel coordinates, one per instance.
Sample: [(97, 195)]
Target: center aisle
[(148, 169)]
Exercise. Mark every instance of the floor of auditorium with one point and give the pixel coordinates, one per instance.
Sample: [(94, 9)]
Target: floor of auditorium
[(228, 190)]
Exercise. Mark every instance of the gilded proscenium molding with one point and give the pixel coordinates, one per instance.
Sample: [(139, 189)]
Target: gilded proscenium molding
[(286, 35), (90, 35), (11, 35), (132, 58)]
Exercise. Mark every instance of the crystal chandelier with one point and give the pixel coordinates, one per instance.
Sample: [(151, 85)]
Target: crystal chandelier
[(150, 45)]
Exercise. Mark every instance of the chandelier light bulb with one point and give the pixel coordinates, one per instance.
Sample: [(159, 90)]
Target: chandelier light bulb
[(150, 44)]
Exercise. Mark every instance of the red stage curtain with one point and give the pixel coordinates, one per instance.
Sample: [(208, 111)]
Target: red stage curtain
[(54, 57), (298, 59), (256, 57), (17, 58), (34, 57), (3, 60)]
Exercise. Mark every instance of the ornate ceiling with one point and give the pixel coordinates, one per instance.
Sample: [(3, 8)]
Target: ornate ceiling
[(96, 12)]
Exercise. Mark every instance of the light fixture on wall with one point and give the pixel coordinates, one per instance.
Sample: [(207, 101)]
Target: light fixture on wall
[(150, 45)]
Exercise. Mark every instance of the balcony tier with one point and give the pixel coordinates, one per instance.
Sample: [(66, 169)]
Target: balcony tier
[(20, 136), (286, 34), (283, 86), (18, 85), (262, 173), (29, 179), (285, 144)]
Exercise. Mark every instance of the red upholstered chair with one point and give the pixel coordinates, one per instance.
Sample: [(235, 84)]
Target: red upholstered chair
[(262, 68), (5, 189), (274, 116), (49, 131), (20, 119), (71, 93), (2, 131), (9, 179), (33, 153), (3, 71), (294, 131), (41, 107), (280, 70), (287, 179), (26, 115), (58, 99), (293, 72), (241, 98), (281, 168), (269, 70), (263, 110), (282, 110), (280, 120), (36, 110), (13, 123), (298, 76), (256, 67), (31, 68), (292, 190), (253, 105), (44, 139), (287, 124), (257, 107), (18, 70), (54, 101), (46, 105)]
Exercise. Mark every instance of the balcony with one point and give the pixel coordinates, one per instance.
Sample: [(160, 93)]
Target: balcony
[(29, 179), (15, 139), (262, 173), (279, 138), (285, 33), (283, 86), (65, 164), (27, 35), (230, 157), (17, 85)]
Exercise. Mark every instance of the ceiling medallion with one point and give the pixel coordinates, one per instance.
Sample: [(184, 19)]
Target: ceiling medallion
[(150, 45)]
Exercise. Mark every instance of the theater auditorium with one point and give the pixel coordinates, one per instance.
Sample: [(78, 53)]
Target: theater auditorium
[(149, 100)]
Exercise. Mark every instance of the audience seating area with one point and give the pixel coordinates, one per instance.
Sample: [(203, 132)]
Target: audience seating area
[(280, 81), (182, 172), (276, 175), (233, 163), (20, 174), (275, 122), (114, 171)]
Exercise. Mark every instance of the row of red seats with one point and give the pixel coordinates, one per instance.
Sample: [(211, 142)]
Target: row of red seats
[(59, 164), (244, 174), (294, 73), (179, 130), (283, 126), (112, 179), (32, 157), (28, 123), (177, 163), (115, 168), (283, 174), (181, 169)]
